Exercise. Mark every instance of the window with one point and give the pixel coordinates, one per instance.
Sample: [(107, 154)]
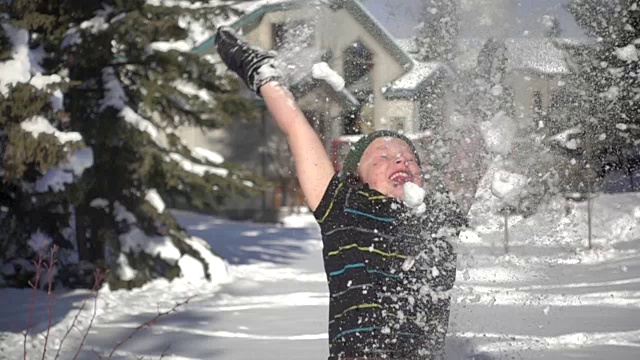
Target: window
[(358, 62), (536, 103), (296, 34)]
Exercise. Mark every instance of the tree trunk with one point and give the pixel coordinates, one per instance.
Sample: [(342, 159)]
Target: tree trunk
[(589, 200), (506, 233), (81, 233)]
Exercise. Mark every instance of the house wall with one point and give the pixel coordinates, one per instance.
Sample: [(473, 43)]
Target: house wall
[(400, 115), (386, 113), (385, 70), (525, 84)]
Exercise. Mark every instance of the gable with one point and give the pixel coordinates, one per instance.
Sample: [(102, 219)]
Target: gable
[(354, 8)]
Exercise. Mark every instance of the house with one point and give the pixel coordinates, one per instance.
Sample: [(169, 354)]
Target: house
[(536, 70), (385, 88)]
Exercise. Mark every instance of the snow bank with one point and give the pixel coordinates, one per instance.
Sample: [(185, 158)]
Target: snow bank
[(135, 240), (218, 268)]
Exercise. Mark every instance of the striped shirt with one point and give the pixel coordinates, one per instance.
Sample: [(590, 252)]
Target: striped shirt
[(388, 273)]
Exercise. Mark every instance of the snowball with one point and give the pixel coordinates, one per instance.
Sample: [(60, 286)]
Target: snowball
[(322, 71), (413, 195), (499, 133), (564, 138), (435, 272), (408, 263), (469, 237), (507, 186), (628, 53)]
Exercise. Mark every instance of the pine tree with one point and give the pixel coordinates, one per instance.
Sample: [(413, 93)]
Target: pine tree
[(119, 84), (605, 84), (437, 33)]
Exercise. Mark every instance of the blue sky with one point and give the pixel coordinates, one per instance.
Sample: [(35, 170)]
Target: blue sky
[(399, 16)]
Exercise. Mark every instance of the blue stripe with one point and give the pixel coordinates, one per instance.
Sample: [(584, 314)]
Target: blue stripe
[(341, 271), (383, 219), (383, 273), (368, 329), (346, 332), (361, 265)]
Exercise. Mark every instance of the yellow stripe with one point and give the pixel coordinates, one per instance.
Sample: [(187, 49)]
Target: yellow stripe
[(361, 306), (376, 197), (335, 194), (364, 248)]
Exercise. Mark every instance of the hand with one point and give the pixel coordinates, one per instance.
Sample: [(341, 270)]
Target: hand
[(255, 66)]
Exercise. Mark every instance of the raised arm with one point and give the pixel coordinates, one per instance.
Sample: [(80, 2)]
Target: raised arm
[(257, 69), (313, 166)]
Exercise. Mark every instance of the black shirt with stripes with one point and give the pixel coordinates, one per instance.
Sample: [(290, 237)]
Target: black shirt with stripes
[(389, 271)]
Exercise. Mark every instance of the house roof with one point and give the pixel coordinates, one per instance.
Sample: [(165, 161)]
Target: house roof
[(540, 55), (308, 83), (257, 9), (409, 84)]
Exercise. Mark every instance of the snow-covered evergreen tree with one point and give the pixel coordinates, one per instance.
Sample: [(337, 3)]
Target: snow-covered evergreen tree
[(605, 85), (91, 93), (437, 33)]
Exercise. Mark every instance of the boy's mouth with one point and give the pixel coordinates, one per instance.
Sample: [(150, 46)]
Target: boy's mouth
[(400, 177)]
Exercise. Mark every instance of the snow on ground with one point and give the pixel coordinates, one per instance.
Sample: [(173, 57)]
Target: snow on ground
[(549, 298)]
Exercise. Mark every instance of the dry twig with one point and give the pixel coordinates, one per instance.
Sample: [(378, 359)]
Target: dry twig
[(34, 295), (99, 275), (149, 323), (50, 298), (98, 278)]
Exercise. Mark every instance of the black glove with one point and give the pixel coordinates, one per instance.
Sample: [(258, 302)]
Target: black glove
[(255, 66)]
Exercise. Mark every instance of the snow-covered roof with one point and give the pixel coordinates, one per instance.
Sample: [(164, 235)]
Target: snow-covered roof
[(412, 79), (254, 10), (536, 54)]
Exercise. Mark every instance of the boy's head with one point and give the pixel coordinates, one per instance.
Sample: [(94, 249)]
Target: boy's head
[(385, 160)]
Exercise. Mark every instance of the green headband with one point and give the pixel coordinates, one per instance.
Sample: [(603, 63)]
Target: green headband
[(350, 164)]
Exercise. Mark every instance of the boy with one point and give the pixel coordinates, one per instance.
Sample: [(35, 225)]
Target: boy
[(388, 266)]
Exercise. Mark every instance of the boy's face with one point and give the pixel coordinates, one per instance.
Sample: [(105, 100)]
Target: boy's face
[(387, 164)]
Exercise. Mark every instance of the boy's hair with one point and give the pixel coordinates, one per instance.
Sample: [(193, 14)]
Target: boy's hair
[(350, 164)]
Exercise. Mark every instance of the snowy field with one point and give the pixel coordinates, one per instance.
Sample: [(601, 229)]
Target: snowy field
[(549, 298)]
